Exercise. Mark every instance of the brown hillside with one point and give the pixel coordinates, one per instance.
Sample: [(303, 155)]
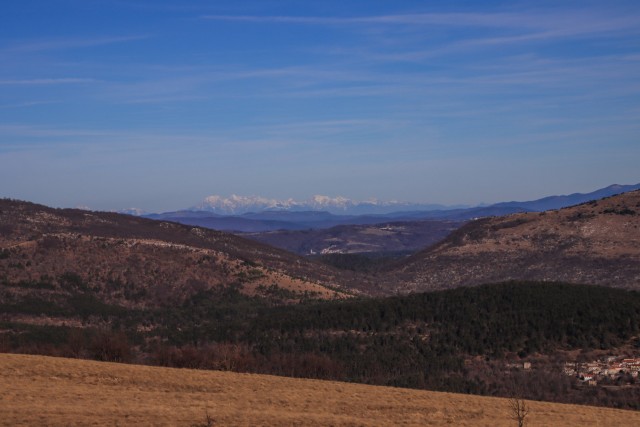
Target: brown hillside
[(135, 261), (594, 243), (40, 390)]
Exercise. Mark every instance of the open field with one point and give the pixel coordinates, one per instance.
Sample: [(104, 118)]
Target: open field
[(36, 390)]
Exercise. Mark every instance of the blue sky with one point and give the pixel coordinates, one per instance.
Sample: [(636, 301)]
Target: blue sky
[(157, 104)]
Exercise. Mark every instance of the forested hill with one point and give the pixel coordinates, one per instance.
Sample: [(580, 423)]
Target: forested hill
[(419, 340), (523, 317)]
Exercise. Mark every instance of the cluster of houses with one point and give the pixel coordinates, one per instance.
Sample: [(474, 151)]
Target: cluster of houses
[(611, 367)]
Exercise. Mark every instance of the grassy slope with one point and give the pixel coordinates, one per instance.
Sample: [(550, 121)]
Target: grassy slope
[(594, 243), (38, 390)]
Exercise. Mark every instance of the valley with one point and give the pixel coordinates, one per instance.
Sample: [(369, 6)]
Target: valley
[(384, 238), (502, 293)]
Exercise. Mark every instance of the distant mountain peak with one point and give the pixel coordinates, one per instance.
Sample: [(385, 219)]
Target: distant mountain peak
[(340, 205), (235, 204), (557, 202), (132, 211), (238, 205)]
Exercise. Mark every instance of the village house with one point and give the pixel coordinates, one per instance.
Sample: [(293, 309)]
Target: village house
[(609, 366)]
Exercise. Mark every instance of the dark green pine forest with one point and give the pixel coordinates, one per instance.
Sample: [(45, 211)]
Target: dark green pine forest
[(456, 340)]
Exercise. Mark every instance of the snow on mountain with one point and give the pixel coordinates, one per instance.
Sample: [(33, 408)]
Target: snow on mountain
[(132, 211), (237, 205), (319, 202)]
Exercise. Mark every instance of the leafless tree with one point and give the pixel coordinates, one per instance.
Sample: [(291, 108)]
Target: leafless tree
[(518, 410), (208, 422)]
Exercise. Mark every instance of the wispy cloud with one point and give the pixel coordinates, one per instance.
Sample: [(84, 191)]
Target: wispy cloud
[(24, 136), (27, 104), (198, 83), (563, 23), (494, 30), (48, 132), (47, 81), (69, 43), (457, 19), (322, 128)]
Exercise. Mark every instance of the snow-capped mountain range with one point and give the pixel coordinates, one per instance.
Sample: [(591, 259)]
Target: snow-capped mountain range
[(237, 205), (132, 211)]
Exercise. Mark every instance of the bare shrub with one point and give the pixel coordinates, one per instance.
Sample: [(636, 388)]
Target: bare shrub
[(518, 410), (111, 346), (76, 344), (208, 421)]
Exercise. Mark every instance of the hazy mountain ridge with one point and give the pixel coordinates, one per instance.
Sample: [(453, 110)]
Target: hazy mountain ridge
[(314, 232), (558, 202), (238, 205), (259, 214)]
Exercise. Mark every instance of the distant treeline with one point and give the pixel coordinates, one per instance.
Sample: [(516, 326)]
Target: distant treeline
[(419, 340)]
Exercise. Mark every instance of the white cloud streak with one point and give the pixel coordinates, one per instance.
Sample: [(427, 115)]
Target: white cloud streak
[(46, 81), (562, 23), (457, 19), (69, 43), (27, 104)]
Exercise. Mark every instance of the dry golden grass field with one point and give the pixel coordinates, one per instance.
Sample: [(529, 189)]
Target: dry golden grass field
[(39, 391)]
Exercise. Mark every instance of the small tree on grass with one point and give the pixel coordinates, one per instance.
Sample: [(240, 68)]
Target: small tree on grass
[(208, 421), (518, 410)]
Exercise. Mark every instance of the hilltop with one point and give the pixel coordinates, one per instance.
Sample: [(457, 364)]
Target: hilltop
[(137, 262), (597, 242), (55, 391)]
